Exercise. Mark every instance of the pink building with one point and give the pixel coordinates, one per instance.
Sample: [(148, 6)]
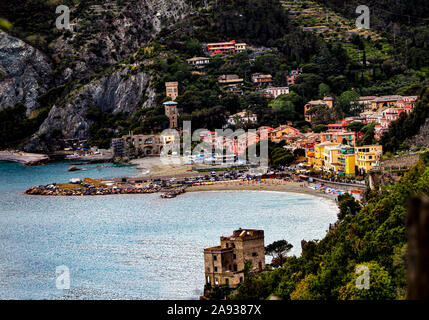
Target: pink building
[(291, 76)]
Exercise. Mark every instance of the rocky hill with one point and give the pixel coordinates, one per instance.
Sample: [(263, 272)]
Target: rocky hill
[(106, 75), (70, 71), (25, 73)]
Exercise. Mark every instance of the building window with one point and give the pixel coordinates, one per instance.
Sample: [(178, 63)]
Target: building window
[(214, 258), (215, 269), (216, 281), (208, 279), (235, 267), (234, 256), (227, 281), (254, 254), (241, 279)]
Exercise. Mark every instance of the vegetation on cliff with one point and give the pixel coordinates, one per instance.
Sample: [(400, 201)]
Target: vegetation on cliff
[(374, 236)]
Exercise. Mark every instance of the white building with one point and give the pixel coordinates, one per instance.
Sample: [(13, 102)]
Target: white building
[(243, 117), (198, 61), (276, 91)]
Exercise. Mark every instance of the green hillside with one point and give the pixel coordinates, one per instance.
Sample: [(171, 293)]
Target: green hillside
[(375, 237)]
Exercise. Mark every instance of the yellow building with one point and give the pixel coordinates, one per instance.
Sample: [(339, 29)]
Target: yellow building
[(346, 161), (319, 154), (172, 90), (327, 101), (368, 157)]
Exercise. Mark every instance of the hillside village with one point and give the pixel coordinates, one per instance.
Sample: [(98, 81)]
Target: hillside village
[(344, 112), (340, 148)]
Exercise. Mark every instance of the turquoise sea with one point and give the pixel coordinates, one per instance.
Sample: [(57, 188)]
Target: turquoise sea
[(131, 246)]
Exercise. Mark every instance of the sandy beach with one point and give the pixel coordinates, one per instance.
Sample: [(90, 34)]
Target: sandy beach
[(153, 166), (269, 185), (23, 157)]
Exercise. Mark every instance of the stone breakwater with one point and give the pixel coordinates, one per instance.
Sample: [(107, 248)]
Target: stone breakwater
[(51, 190)]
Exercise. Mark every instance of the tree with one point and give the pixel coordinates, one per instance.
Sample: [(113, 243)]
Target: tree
[(320, 128), (349, 102), (283, 108), (193, 47), (355, 126), (278, 250), (324, 90), (347, 205), (380, 285), (369, 135), (303, 289)]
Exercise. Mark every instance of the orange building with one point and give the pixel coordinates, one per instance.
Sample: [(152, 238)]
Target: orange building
[(281, 132), (225, 47), (339, 137), (260, 79)]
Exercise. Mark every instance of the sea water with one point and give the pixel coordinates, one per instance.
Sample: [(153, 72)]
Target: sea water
[(131, 246)]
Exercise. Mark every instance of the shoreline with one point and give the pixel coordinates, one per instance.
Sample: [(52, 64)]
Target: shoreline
[(25, 158), (289, 187), (266, 186)]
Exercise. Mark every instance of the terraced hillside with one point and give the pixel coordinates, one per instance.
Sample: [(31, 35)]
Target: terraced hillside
[(314, 17)]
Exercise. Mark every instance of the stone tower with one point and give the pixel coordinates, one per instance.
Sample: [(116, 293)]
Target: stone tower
[(171, 113)]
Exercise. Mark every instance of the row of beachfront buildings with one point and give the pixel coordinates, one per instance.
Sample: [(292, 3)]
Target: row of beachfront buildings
[(381, 110)]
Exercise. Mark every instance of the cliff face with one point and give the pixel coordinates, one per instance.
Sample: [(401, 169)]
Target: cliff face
[(25, 73), (114, 93), (108, 32), (102, 35)]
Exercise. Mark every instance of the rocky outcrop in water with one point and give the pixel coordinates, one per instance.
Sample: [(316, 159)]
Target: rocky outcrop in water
[(25, 73)]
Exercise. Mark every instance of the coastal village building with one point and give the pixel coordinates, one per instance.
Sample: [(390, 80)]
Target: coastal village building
[(259, 79), (319, 154), (172, 90), (385, 101), (282, 132), (224, 264), (225, 47), (366, 102), (330, 158), (239, 146), (327, 101), (242, 118), (264, 132), (229, 80), (291, 76), (172, 113), (198, 62), (147, 145), (274, 92), (310, 156), (339, 137), (346, 161), (118, 147), (368, 157), (240, 47)]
